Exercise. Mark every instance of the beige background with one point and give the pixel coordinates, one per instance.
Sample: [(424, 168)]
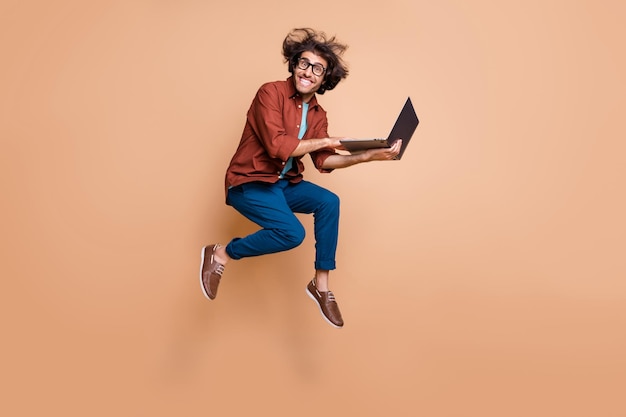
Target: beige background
[(483, 275)]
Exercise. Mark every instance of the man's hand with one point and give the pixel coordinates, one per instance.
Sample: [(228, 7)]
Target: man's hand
[(335, 143), (384, 154)]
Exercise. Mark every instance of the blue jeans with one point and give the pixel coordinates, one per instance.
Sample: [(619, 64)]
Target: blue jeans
[(272, 206)]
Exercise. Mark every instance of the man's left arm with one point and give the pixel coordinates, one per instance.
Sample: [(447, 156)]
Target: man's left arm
[(337, 161)]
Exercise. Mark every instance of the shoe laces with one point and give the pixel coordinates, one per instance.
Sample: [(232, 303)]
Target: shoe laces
[(331, 296), (219, 270)]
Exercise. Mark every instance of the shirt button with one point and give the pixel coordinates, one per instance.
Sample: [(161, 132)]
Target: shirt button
[(299, 106), (283, 163), (298, 126)]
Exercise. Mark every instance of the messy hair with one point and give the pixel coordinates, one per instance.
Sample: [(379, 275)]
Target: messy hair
[(305, 39)]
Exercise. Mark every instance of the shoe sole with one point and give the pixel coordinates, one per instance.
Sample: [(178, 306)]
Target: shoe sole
[(312, 297), (201, 267)]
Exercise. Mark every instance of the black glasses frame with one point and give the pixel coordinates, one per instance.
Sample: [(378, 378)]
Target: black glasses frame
[(317, 68)]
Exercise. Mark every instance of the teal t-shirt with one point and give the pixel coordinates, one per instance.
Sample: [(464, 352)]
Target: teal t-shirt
[(289, 163)]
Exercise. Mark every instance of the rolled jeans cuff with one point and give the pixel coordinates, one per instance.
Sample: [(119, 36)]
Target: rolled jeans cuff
[(325, 265)]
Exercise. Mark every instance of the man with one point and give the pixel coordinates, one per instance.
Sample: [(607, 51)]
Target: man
[(264, 180)]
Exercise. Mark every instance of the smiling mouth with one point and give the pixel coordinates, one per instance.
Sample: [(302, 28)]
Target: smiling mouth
[(305, 82)]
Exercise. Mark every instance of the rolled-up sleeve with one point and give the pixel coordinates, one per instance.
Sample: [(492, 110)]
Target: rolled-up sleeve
[(318, 157)]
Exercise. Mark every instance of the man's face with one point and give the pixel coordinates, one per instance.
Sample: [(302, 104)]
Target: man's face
[(307, 83)]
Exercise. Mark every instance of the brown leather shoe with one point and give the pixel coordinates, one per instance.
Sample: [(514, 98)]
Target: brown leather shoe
[(327, 304), (210, 271)]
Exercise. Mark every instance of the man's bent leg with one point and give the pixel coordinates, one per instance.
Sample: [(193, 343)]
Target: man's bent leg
[(265, 205)]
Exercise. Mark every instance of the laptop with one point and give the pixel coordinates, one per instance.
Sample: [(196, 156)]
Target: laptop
[(403, 129)]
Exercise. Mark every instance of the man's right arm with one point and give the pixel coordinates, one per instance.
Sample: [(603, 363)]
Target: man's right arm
[(312, 145)]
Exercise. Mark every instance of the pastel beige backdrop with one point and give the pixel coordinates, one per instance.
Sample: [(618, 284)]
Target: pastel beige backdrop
[(483, 275)]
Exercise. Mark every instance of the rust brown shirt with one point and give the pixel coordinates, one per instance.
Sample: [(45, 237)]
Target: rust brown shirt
[(271, 135)]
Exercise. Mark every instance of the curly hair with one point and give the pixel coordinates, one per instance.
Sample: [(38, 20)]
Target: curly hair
[(306, 39)]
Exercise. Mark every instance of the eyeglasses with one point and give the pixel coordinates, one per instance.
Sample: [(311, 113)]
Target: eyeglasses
[(317, 69)]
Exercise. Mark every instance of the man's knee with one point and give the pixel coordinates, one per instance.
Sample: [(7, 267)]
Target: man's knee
[(330, 201), (292, 237)]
